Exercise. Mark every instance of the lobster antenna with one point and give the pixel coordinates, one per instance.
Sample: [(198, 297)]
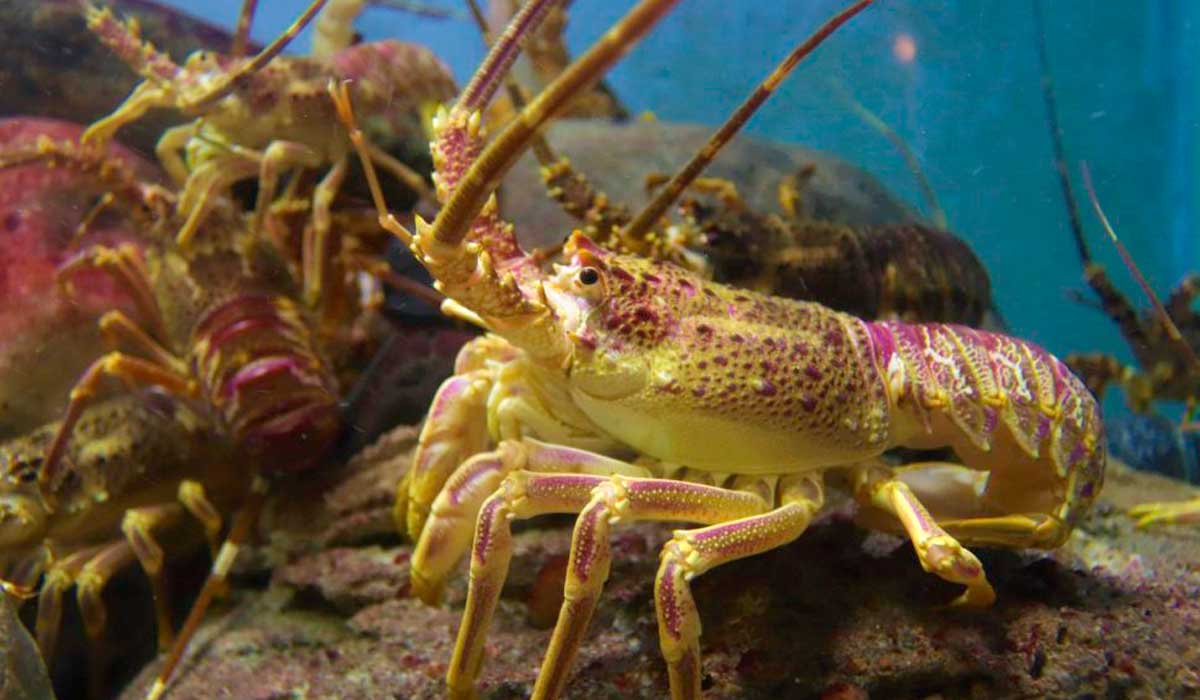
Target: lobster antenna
[(1056, 135), (241, 37), (910, 159), (539, 146), (504, 51), (481, 180), (230, 82), (1168, 323), (684, 178)]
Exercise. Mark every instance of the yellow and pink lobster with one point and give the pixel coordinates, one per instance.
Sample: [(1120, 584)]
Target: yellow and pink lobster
[(599, 376)]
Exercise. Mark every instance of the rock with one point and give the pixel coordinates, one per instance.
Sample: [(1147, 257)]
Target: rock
[(48, 338), (1114, 613), (22, 671), (1152, 442)]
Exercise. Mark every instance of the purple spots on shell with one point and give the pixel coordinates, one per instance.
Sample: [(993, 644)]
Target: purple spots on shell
[(766, 388)]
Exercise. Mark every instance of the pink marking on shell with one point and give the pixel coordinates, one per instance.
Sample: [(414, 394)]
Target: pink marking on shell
[(266, 368), (584, 543), (668, 600), (483, 538)]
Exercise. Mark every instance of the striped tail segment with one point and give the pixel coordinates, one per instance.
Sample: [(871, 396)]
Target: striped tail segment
[(262, 372), (980, 380)]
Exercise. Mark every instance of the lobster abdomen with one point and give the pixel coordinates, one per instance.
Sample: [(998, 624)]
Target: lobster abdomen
[(261, 372), (982, 392)]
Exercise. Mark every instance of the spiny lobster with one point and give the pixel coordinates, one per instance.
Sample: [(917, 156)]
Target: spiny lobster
[(613, 355), (265, 115), (220, 327)]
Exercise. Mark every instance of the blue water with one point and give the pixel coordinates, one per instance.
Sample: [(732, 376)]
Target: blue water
[(968, 103)]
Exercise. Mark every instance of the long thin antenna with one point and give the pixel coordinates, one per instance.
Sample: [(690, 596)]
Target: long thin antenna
[(480, 181), (684, 178), (1056, 136), (230, 82), (936, 213), (1168, 323)]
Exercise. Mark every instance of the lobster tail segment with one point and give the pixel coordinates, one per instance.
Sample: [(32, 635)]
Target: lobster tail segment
[(960, 385)]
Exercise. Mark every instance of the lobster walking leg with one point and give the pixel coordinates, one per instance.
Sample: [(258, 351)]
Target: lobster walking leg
[(316, 236), (195, 501), (89, 591), (138, 526), (693, 552), (1167, 513), (447, 534), (58, 580), (455, 429), (600, 501), (243, 523), (938, 552)]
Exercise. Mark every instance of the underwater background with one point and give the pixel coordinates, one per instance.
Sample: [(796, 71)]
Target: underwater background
[(960, 83)]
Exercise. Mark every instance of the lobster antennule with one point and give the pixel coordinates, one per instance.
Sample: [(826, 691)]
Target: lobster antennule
[(481, 179), (680, 182)]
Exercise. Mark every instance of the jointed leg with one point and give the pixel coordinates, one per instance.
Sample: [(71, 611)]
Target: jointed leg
[(124, 264), (89, 591), (693, 552), (279, 157), (59, 578), (601, 501), (446, 536), (195, 501), (144, 97), (138, 526), (240, 531), (170, 148), (938, 552), (455, 429), (1167, 513), (121, 331), (315, 248), (206, 183)]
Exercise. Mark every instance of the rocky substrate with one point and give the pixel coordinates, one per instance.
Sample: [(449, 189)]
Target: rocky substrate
[(841, 613)]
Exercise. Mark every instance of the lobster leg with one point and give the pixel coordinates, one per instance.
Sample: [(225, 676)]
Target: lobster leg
[(1166, 513), (600, 501), (89, 591), (693, 552), (195, 501), (138, 526), (169, 150), (315, 249), (455, 429), (144, 97), (239, 532), (938, 552), (1098, 370), (124, 265), (446, 536), (59, 578), (957, 497), (200, 191)]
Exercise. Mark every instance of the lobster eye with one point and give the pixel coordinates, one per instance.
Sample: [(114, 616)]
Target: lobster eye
[(589, 276)]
